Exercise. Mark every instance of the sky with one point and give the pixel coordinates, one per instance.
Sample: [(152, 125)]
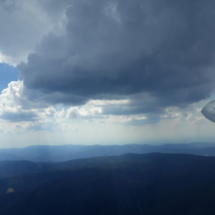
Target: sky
[(106, 71)]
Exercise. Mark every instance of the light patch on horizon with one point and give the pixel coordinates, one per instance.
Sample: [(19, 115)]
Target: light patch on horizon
[(172, 130), (87, 124)]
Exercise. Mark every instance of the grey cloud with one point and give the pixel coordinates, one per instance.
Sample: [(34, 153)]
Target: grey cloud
[(19, 116), (152, 120), (10, 5), (23, 23), (123, 48), (42, 99), (137, 105), (38, 126)]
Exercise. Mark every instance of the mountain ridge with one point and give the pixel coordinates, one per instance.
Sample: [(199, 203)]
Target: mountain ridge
[(48, 153), (118, 185)]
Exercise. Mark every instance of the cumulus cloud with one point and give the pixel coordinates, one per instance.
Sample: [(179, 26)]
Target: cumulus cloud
[(25, 114), (16, 108), (117, 49), (116, 60), (23, 23)]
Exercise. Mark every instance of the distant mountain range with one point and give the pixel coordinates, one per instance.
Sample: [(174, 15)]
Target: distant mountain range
[(47, 153)]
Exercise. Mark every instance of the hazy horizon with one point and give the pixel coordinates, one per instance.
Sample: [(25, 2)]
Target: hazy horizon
[(195, 144)]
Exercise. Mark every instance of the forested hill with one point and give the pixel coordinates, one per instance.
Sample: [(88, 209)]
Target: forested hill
[(117, 185)]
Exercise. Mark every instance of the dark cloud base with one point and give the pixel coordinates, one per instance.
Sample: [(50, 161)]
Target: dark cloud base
[(120, 48)]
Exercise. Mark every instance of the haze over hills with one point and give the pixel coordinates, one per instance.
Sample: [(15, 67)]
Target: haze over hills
[(45, 157), (47, 153)]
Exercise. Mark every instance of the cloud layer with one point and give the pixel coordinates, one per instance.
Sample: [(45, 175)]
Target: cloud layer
[(112, 61), (117, 49)]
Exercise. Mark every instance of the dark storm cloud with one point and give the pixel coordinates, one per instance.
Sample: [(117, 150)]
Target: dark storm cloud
[(122, 48)]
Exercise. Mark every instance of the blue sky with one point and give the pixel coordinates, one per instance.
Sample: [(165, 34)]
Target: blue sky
[(8, 73), (106, 72)]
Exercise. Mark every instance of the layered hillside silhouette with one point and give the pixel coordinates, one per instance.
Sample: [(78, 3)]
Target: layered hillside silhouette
[(150, 184), (47, 153)]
